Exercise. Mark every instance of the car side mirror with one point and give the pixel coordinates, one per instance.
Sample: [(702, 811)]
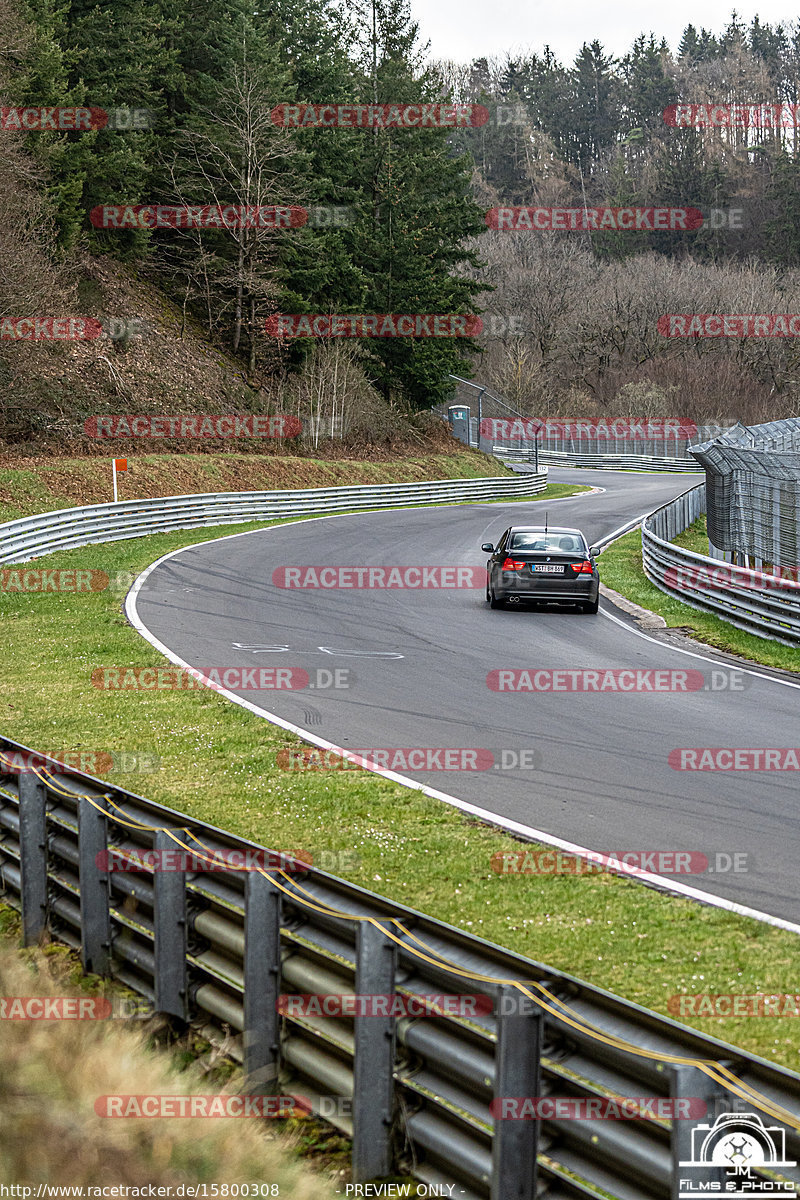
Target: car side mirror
[(487, 547), (595, 550)]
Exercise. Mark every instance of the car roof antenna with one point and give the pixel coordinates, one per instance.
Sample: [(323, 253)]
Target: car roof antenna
[(545, 520)]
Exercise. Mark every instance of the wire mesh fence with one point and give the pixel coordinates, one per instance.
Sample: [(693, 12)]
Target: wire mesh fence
[(753, 600), (478, 415), (753, 494)]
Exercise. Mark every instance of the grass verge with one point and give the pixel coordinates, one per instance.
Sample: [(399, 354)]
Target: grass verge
[(621, 569), (218, 763), (554, 491), (37, 485), (54, 1072)]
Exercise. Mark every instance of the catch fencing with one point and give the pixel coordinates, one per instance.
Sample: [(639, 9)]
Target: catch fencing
[(590, 445), (217, 948), (597, 461), (753, 493), (31, 537), (495, 427), (766, 605)]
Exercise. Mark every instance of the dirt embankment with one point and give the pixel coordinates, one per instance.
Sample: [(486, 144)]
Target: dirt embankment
[(29, 485)]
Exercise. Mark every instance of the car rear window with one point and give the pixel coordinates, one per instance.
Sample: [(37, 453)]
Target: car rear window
[(565, 543)]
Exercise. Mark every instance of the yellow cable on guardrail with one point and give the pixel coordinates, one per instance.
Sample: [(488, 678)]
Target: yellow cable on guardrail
[(715, 1071)]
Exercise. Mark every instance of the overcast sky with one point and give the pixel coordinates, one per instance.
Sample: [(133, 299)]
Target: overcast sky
[(467, 29)]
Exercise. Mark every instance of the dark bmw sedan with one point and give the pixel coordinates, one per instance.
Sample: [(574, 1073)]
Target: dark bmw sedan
[(532, 563)]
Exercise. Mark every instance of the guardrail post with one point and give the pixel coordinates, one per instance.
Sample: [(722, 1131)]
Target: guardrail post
[(691, 1084), (33, 856), (373, 1074), (517, 1073), (262, 974), (170, 926), (94, 886)]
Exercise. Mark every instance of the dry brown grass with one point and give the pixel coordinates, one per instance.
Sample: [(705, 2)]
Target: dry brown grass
[(39, 483), (53, 1071), (49, 389)]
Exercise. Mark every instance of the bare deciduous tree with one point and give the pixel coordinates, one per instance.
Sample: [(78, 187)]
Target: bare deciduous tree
[(240, 159)]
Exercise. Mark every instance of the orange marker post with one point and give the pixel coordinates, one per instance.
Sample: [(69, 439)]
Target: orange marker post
[(118, 464)]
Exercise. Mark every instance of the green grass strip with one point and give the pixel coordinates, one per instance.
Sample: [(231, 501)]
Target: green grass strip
[(621, 569), (218, 763)]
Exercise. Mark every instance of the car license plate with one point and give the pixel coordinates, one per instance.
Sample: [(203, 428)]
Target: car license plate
[(548, 569)]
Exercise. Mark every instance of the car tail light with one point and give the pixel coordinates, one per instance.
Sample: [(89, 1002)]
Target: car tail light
[(512, 564), (582, 568)]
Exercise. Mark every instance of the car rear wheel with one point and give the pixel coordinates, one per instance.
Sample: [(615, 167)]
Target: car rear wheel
[(592, 606), (493, 600)]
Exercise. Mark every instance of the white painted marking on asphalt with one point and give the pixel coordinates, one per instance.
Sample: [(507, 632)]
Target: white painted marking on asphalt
[(695, 653), (483, 814), (261, 648), (266, 648), (362, 653), (668, 646)]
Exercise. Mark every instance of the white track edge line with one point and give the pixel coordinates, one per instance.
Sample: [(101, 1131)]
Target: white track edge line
[(491, 818)]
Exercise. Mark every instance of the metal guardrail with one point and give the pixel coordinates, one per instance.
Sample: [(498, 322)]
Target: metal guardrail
[(217, 948), (606, 462), (30, 537), (618, 454), (765, 605)]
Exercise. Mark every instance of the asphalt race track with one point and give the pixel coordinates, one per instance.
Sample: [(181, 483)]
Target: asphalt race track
[(601, 777)]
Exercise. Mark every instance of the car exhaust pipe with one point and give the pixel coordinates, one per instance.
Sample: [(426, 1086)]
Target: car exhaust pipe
[(513, 600)]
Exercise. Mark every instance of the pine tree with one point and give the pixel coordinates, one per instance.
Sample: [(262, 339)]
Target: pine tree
[(417, 216), (622, 191), (782, 231), (116, 59), (685, 179), (47, 79), (769, 44), (697, 47), (321, 268), (735, 35), (649, 88), (594, 118)]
